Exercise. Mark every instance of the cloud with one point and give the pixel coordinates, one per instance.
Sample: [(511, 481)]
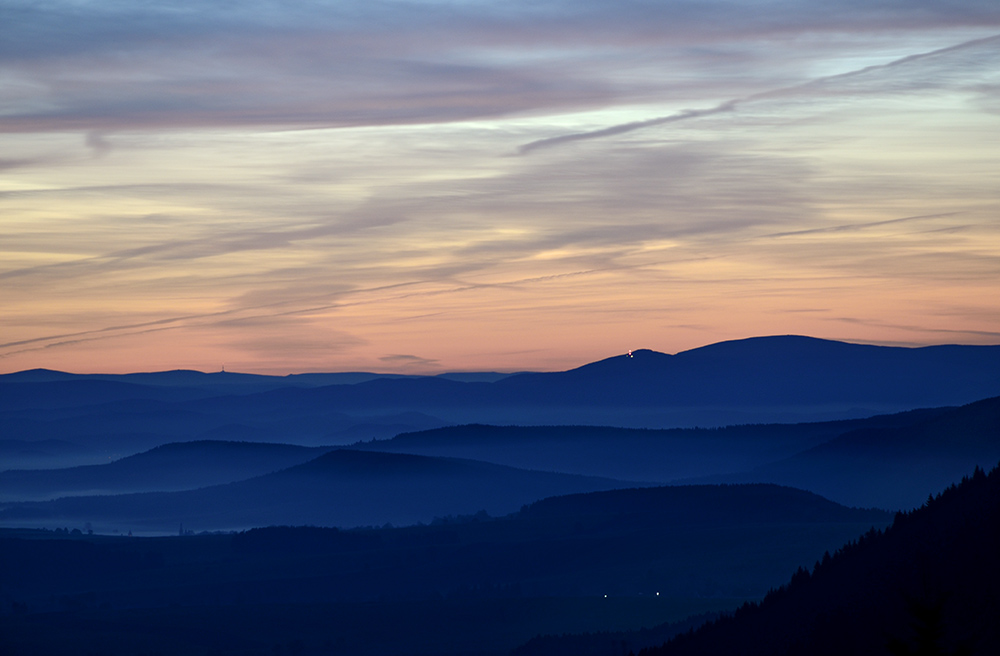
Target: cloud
[(932, 70), (408, 361), (740, 158), (112, 66), (98, 143), (626, 127), (287, 342), (206, 246), (977, 336), (8, 163), (859, 226)]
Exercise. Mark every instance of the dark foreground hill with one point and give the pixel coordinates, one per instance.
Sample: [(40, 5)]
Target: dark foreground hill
[(468, 585), (343, 488), (927, 585), (171, 467)]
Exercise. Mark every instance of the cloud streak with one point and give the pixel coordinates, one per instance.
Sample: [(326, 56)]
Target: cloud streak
[(859, 226), (102, 67), (827, 84), (627, 127)]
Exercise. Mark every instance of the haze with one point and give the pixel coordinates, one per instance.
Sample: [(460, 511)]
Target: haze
[(429, 186)]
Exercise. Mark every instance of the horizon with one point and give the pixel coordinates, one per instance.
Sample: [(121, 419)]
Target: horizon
[(510, 372), (421, 186)]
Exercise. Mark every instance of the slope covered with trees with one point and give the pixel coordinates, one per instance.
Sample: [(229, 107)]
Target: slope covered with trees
[(928, 585), (601, 562)]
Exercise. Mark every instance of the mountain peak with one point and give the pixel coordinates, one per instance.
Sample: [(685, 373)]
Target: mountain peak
[(629, 359)]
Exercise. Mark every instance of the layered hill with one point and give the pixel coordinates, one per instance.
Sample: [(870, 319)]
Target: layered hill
[(774, 371), (663, 455), (171, 467), (886, 461), (784, 379), (894, 467), (340, 488), (769, 378)]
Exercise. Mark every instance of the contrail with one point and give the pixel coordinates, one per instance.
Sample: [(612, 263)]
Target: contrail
[(858, 226), (627, 127), (730, 105)]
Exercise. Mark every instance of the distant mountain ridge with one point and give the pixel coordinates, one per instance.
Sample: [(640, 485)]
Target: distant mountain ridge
[(787, 369), (171, 467), (341, 488), (893, 467), (887, 461), (773, 369), (781, 379)]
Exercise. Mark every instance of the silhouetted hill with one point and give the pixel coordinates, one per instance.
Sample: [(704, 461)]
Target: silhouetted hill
[(783, 379), (777, 370), (465, 585), (39, 375), (341, 488), (892, 467), (77, 393), (700, 504), (632, 454), (927, 585), (657, 526), (214, 383), (176, 466), (115, 429), (609, 643), (778, 378)]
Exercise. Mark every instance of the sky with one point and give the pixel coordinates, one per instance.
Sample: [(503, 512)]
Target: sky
[(431, 186)]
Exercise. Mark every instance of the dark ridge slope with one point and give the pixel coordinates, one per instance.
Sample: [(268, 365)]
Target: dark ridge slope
[(702, 504), (927, 585), (729, 542)]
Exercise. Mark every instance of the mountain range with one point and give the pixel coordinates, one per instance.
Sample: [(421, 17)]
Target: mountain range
[(465, 513), (890, 461), (780, 379)]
